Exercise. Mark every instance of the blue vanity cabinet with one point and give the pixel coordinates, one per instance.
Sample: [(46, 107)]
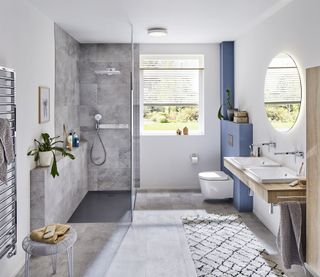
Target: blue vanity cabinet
[(235, 142)]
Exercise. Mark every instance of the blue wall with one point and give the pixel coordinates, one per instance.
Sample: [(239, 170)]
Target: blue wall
[(226, 72), (235, 138), (235, 141)]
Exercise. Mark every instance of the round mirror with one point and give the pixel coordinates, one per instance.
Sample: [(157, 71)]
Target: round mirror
[(282, 92)]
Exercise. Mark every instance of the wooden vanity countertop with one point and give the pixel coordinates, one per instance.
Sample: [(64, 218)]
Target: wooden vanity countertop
[(268, 192)]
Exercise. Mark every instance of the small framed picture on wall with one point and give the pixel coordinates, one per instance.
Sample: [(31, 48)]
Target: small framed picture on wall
[(44, 104)]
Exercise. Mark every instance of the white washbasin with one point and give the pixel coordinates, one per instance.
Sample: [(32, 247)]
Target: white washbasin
[(245, 162), (272, 174)]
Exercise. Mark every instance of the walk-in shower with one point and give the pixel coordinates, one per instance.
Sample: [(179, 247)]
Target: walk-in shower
[(107, 122), (95, 97)]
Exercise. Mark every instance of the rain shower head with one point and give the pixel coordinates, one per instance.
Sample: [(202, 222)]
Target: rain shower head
[(108, 71)]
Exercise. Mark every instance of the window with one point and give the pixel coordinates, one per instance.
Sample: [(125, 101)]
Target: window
[(282, 92), (171, 90)]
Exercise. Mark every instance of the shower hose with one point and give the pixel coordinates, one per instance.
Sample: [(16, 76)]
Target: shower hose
[(104, 151)]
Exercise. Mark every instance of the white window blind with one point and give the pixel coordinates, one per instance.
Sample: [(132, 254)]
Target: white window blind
[(282, 84), (171, 79)]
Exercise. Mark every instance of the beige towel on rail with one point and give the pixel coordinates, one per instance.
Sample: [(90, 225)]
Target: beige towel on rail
[(291, 239), (6, 148)]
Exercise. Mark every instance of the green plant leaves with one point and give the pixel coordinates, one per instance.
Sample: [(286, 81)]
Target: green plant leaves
[(228, 104), (228, 92), (54, 169), (49, 144), (220, 115)]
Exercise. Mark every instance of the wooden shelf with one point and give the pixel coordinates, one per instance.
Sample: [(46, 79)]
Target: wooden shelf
[(268, 192)]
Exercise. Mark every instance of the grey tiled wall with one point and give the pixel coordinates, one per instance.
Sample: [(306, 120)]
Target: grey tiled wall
[(109, 96), (67, 92), (55, 199)]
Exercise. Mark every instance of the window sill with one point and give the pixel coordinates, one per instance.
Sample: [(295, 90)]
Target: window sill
[(170, 134)]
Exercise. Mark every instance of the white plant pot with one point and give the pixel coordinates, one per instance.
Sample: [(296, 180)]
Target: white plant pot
[(45, 158)]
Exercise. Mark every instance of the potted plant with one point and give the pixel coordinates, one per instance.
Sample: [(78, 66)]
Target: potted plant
[(45, 152), (230, 108)]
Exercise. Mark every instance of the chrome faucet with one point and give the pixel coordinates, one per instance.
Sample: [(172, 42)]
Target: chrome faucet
[(295, 153), (269, 144)]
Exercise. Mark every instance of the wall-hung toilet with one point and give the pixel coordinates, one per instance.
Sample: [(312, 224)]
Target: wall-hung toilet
[(216, 185)]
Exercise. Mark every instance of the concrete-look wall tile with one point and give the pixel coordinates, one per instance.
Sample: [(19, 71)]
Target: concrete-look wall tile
[(114, 179), (67, 90), (88, 94), (110, 93), (125, 157), (87, 73), (86, 113), (112, 158), (37, 194), (116, 138), (111, 52), (60, 114), (109, 96), (55, 199)]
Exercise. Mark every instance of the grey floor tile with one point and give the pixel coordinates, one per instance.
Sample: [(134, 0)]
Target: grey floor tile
[(155, 244), (158, 220), (93, 252)]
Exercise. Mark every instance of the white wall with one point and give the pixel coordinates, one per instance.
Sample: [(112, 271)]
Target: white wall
[(295, 30), (27, 45), (165, 160)]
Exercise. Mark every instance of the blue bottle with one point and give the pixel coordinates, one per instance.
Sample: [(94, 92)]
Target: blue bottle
[(76, 140)]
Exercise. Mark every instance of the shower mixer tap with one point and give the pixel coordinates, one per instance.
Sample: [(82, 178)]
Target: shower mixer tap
[(98, 117)]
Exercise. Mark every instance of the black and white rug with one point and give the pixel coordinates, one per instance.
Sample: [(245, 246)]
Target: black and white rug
[(222, 245)]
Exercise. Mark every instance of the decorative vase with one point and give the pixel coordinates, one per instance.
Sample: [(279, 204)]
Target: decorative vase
[(230, 113), (45, 158), (185, 131)]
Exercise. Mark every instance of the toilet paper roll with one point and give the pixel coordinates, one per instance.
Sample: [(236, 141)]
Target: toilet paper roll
[(194, 159)]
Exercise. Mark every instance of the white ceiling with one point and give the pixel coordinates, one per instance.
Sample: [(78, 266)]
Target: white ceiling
[(188, 21)]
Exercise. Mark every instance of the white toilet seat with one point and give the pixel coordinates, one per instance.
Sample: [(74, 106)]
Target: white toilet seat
[(216, 185), (213, 176)]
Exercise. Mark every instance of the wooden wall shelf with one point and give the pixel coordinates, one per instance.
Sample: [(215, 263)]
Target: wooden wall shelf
[(268, 192)]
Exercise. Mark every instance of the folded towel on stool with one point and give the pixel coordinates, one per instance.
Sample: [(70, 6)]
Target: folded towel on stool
[(59, 233)]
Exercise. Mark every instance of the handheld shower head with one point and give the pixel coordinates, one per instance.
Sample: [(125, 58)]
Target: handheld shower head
[(98, 117)]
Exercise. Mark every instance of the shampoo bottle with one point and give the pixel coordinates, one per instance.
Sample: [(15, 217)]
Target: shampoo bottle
[(69, 141)]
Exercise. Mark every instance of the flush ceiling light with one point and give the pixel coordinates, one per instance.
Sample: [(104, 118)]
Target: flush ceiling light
[(157, 32)]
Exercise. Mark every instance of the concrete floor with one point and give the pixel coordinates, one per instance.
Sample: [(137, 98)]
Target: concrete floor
[(94, 250), (155, 244)]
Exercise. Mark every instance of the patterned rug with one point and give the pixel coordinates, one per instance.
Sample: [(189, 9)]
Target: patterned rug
[(222, 245)]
